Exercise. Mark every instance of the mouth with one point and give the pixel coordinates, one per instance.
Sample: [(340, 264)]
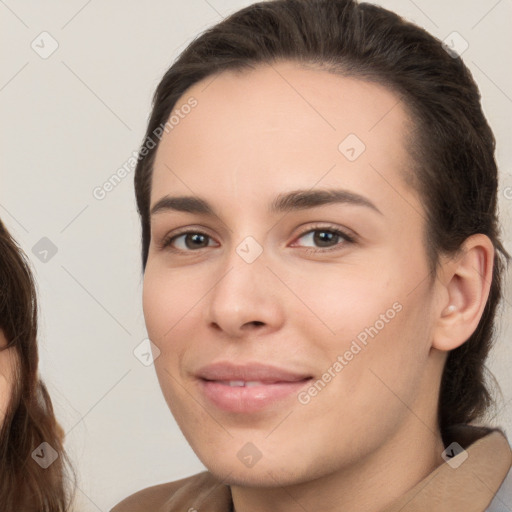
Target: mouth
[(248, 388), (244, 384)]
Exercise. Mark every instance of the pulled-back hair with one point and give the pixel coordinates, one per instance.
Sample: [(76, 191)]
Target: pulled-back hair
[(29, 420), (451, 144)]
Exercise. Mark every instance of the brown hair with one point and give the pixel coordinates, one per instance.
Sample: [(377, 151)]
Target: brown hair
[(29, 419), (451, 143)]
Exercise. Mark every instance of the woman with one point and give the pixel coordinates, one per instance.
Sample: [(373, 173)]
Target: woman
[(322, 265), (32, 460)]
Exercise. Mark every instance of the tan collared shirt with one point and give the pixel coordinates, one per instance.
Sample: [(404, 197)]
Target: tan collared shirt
[(468, 487)]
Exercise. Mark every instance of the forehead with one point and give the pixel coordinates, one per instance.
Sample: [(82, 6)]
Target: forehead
[(281, 122)]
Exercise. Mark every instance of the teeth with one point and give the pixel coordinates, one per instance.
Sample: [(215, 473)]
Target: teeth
[(242, 383), (252, 383), (236, 383)]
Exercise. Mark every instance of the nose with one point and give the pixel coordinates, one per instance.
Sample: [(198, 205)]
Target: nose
[(247, 299)]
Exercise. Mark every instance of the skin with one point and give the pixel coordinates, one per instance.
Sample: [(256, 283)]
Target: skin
[(371, 433), (6, 375)]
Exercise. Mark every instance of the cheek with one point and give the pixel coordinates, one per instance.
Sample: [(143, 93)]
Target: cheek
[(369, 392), (168, 300), (162, 313), (7, 366), (155, 295), (5, 394), (338, 303), (369, 331), (173, 305)]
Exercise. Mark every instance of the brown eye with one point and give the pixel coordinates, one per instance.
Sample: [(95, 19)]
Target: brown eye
[(325, 238), (188, 241), (196, 240)]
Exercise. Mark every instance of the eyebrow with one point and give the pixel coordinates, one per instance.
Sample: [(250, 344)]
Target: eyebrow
[(283, 203)]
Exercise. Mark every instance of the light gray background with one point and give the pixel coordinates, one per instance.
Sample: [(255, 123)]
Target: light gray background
[(68, 123)]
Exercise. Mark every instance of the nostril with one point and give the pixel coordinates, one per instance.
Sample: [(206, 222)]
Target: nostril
[(253, 323)]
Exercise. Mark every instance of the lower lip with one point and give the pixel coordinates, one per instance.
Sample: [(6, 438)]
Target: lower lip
[(243, 399)]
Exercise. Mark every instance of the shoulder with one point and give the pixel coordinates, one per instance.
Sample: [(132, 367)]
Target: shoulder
[(184, 494), (153, 498)]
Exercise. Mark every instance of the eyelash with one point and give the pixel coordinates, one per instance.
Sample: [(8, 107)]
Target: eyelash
[(167, 241)]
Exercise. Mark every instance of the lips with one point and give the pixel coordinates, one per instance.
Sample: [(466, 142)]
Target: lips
[(255, 372), (248, 388)]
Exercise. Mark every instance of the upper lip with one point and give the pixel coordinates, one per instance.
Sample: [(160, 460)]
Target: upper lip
[(225, 371)]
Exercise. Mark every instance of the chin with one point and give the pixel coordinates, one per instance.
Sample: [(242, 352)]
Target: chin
[(252, 477), (264, 473)]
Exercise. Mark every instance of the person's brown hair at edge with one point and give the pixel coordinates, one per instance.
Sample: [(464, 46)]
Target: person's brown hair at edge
[(29, 419)]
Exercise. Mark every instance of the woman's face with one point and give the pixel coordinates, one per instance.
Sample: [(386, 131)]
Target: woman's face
[(321, 303), (6, 376)]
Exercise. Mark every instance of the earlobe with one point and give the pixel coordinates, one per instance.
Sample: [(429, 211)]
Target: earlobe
[(467, 281)]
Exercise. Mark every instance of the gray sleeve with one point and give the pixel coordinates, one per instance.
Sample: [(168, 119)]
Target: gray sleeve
[(502, 502)]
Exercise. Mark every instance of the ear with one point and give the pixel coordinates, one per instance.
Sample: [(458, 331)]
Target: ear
[(466, 281)]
